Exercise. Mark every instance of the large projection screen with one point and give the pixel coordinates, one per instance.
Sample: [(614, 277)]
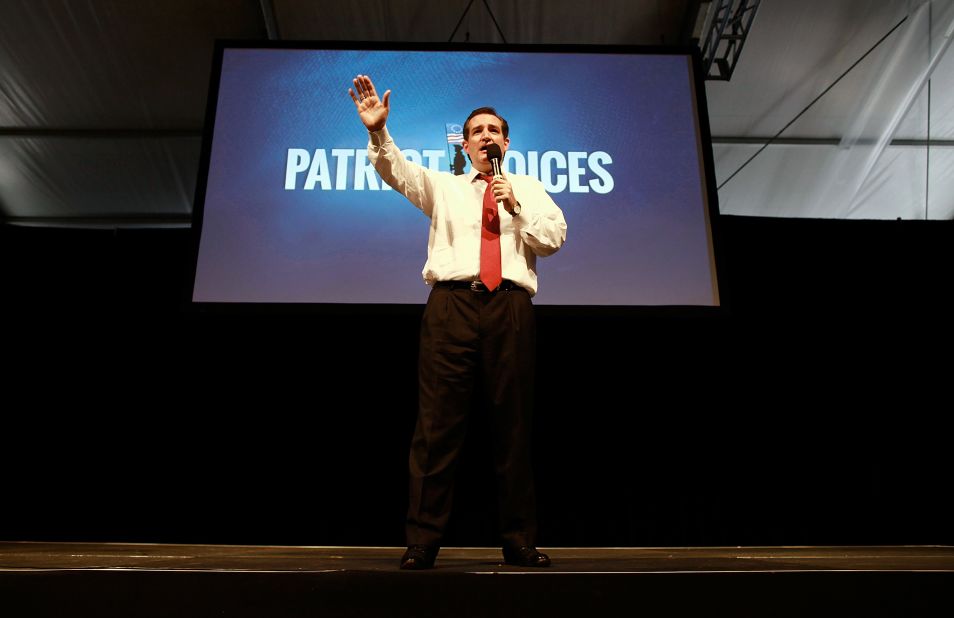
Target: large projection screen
[(291, 211)]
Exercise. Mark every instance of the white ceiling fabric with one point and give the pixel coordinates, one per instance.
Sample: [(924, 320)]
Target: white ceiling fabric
[(102, 102), (860, 172)]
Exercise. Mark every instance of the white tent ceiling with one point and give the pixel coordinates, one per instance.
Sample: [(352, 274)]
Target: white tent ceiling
[(826, 164), (102, 102)]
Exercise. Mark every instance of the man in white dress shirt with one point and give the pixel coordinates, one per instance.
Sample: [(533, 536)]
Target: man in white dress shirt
[(485, 235)]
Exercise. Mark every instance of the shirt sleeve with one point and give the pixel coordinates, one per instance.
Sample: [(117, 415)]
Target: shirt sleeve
[(540, 222), (411, 180)]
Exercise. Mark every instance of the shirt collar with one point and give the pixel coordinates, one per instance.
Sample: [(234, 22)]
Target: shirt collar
[(475, 173)]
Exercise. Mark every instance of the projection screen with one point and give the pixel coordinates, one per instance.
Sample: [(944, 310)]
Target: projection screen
[(289, 210)]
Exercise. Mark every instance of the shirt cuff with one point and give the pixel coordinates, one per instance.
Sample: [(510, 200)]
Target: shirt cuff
[(380, 137)]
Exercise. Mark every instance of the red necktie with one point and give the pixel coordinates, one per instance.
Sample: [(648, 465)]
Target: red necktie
[(490, 239)]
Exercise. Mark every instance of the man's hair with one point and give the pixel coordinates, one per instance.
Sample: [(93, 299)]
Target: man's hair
[(492, 112)]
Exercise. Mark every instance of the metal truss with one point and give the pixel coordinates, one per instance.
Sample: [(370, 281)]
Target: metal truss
[(727, 24)]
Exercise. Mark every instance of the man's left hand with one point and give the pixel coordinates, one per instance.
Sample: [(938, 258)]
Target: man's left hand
[(503, 192)]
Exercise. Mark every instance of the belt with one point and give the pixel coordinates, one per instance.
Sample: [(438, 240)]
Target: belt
[(476, 286)]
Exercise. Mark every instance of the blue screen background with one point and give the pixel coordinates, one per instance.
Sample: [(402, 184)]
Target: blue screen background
[(646, 242)]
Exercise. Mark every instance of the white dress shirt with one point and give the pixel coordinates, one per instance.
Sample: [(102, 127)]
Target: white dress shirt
[(454, 205)]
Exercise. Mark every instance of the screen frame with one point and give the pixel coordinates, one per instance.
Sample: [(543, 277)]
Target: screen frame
[(710, 193)]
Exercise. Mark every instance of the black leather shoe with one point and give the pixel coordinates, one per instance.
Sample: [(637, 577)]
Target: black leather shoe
[(526, 556), (419, 557)]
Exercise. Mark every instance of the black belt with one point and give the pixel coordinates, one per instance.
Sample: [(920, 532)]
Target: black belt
[(476, 286)]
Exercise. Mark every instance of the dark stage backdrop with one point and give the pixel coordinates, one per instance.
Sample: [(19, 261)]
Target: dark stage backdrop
[(809, 414)]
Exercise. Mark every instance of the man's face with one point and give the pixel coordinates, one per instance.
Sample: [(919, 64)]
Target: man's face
[(484, 129)]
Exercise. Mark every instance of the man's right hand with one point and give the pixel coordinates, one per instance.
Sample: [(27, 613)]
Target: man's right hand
[(372, 110)]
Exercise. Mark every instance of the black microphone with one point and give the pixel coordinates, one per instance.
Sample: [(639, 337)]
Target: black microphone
[(494, 155)]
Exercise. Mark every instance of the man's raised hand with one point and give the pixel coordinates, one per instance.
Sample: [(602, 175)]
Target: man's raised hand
[(372, 110)]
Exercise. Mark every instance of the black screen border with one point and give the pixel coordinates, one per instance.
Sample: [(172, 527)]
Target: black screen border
[(190, 306)]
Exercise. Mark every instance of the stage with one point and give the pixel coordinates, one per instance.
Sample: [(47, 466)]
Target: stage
[(72, 579)]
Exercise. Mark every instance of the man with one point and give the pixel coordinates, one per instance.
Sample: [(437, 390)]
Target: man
[(485, 235)]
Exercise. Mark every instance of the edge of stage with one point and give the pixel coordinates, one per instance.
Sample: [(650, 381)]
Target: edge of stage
[(121, 579)]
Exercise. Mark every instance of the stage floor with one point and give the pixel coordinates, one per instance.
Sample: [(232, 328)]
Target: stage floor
[(27, 556), (148, 580)]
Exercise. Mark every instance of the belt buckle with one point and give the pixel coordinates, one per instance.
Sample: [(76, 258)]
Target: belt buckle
[(477, 286)]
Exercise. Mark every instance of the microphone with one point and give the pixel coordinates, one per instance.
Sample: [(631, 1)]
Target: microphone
[(494, 155)]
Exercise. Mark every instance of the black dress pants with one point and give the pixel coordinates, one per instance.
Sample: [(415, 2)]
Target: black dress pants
[(464, 332)]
